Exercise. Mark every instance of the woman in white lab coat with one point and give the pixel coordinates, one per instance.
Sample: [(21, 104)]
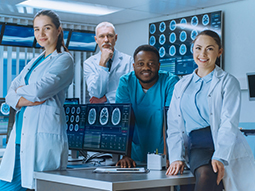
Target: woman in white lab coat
[(203, 123), (38, 141)]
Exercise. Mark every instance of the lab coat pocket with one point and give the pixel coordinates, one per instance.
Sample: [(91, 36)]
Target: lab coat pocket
[(49, 120)]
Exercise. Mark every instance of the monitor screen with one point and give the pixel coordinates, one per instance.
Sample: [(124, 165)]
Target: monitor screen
[(4, 116), (72, 101), (106, 128), (16, 35), (251, 85), (82, 41), (65, 32), (173, 39)]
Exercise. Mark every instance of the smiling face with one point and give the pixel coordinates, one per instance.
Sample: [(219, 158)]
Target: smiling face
[(106, 37), (46, 33), (146, 68), (205, 53)]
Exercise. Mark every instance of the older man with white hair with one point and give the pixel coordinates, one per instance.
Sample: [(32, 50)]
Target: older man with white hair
[(103, 70)]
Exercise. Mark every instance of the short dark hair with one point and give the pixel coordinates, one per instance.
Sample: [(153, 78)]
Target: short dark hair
[(56, 21), (146, 47)]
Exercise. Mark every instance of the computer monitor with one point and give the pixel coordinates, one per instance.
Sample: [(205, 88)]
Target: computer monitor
[(72, 101), (251, 85), (106, 128), (4, 116)]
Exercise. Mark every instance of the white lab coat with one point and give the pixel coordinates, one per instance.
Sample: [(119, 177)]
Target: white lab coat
[(230, 145), (101, 82), (44, 143)]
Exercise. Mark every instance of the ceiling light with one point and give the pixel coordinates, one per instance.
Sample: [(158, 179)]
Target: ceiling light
[(70, 7)]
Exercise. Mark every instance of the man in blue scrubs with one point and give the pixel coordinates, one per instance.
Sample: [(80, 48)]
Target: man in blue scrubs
[(149, 90)]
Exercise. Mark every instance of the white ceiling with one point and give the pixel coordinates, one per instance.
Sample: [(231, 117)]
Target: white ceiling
[(132, 10)]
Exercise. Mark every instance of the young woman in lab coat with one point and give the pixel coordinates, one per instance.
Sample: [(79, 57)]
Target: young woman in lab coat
[(203, 124), (38, 141)]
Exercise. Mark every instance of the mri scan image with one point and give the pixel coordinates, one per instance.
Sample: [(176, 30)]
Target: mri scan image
[(152, 29), (194, 21), (183, 36), (172, 37), (116, 116), (205, 20), (104, 116), (162, 52), (162, 26), (183, 49), (172, 25), (172, 50), (92, 116), (152, 40), (162, 39)]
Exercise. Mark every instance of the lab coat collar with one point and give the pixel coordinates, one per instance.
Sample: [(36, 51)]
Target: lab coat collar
[(217, 75)]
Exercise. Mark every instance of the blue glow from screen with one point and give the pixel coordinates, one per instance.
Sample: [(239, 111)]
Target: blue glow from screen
[(18, 36), (82, 41)]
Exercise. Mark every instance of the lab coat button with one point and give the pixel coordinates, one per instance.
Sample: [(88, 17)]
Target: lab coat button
[(209, 96), (179, 115), (22, 133), (182, 131), (211, 113)]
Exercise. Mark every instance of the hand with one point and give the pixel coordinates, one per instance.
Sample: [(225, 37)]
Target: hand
[(175, 167), (98, 100), (106, 54), (218, 167), (126, 161), (24, 102)]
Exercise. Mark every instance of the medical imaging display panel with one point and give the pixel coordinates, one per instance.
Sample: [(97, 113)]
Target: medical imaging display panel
[(82, 41), (75, 124), (16, 35), (4, 116), (173, 39), (108, 128)]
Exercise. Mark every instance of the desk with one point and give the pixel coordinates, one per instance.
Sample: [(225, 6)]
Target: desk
[(81, 179)]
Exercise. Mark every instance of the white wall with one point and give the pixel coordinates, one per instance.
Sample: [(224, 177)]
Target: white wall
[(239, 43)]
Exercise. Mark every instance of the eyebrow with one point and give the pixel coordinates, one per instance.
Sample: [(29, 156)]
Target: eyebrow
[(44, 25), (206, 46)]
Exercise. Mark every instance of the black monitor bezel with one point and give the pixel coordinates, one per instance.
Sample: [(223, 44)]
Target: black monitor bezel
[(249, 85)]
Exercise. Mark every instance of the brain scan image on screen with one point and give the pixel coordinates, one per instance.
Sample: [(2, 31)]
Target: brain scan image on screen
[(194, 21), (72, 119), (76, 127), (172, 50), (116, 116), (183, 49), (205, 20), (162, 39), (162, 52), (152, 28), (183, 23), (174, 43), (172, 25), (71, 127), (78, 110), (191, 48), (77, 119), (73, 110), (104, 116), (152, 40), (92, 116), (172, 37), (193, 34), (67, 118), (162, 26), (5, 109), (67, 110), (183, 36)]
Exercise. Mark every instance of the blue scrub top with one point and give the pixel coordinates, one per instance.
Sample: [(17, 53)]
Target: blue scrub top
[(148, 109)]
